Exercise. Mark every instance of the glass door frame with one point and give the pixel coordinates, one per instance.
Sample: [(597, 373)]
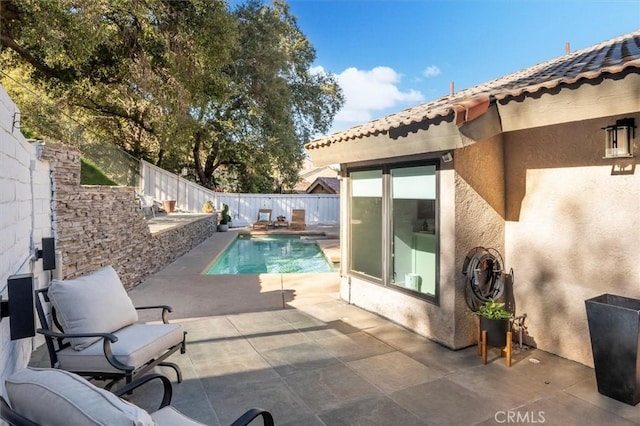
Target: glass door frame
[(388, 201), (387, 226)]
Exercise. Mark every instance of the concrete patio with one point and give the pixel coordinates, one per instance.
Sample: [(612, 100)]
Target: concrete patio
[(288, 344)]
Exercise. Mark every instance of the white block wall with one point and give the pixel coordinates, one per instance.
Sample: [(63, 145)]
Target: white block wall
[(25, 218)]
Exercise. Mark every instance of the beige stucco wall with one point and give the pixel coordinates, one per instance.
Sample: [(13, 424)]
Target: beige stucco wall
[(573, 229), (479, 218), (566, 221)]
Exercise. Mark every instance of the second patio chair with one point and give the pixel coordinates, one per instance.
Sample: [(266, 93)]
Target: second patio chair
[(91, 328), (298, 220), (264, 219), (54, 397)]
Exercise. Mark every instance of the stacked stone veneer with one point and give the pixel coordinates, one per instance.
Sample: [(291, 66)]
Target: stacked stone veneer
[(103, 225)]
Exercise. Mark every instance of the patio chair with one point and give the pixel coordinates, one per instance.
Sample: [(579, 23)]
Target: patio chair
[(264, 219), (147, 202), (298, 220), (50, 397), (91, 328)]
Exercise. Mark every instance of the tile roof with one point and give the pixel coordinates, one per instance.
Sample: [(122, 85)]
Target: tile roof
[(609, 57), (331, 184)]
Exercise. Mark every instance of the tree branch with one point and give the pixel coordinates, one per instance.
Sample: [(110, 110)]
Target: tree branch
[(63, 74), (114, 111)]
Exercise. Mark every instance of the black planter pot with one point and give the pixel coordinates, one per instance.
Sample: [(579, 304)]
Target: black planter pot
[(614, 327), (496, 331)]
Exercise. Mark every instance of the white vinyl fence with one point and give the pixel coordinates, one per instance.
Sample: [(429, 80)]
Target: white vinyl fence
[(243, 208)]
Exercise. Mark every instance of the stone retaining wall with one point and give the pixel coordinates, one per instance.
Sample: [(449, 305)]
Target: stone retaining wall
[(103, 225)]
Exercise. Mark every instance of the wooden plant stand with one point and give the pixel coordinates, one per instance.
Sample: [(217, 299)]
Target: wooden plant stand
[(482, 346)]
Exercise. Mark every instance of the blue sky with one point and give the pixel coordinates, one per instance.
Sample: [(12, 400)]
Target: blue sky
[(392, 54)]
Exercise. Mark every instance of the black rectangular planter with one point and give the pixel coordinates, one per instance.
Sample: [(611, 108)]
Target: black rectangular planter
[(614, 327)]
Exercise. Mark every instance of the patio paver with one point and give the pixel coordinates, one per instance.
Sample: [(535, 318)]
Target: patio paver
[(312, 359)]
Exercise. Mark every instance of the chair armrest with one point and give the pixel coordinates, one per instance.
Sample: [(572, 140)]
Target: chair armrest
[(107, 339), (13, 417), (139, 381), (243, 420), (165, 309), (251, 414), (110, 337)]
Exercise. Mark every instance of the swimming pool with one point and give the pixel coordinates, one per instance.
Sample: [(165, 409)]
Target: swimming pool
[(270, 255)]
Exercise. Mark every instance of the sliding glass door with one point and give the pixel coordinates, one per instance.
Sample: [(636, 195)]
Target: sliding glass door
[(413, 211), (366, 223), (393, 226)]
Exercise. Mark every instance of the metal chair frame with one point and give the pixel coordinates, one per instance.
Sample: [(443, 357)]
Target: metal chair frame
[(59, 340), (16, 419)]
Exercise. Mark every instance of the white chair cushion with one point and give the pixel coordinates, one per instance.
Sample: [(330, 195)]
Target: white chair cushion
[(137, 344), (57, 397), (263, 217), (169, 416), (94, 303)]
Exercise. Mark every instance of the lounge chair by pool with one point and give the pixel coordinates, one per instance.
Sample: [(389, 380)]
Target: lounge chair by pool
[(264, 219), (298, 220)]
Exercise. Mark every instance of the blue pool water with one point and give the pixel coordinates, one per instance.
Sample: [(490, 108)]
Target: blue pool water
[(270, 255)]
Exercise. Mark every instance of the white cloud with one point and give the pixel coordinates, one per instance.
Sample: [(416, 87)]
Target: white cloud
[(369, 92), (316, 70), (431, 71)]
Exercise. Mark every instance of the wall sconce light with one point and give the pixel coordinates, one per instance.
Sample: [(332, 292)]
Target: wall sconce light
[(447, 157), (618, 138), (184, 171), (47, 254), (19, 307)]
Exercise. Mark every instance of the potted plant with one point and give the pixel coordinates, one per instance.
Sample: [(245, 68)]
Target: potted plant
[(496, 320), (225, 218), (207, 207)]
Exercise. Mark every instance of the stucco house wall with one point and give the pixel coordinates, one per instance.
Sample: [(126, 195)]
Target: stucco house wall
[(565, 220), (479, 218), (528, 179), (573, 229)]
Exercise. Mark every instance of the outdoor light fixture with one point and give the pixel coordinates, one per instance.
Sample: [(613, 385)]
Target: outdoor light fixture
[(47, 254), (618, 138), (447, 157), (19, 306)]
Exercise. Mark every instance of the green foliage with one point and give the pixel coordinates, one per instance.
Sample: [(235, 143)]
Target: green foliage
[(90, 174), (224, 216), (493, 310), (176, 82)]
